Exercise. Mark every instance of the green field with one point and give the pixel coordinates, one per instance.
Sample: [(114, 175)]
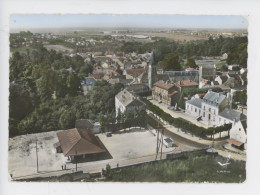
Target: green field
[(196, 169)]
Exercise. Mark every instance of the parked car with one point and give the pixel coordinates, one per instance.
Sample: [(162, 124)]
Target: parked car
[(168, 142)]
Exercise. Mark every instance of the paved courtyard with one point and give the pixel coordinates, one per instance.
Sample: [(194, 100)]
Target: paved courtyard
[(125, 148)]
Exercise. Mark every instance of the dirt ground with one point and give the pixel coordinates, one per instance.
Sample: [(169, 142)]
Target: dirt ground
[(22, 154), (126, 145)]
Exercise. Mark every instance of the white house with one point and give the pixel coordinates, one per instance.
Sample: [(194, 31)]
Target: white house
[(221, 79), (127, 102), (224, 56), (207, 109), (237, 134)]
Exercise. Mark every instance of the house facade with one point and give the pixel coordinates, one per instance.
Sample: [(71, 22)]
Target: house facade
[(126, 102), (237, 134), (207, 109), (166, 93)]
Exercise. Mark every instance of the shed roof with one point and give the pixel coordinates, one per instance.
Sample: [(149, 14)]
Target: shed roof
[(78, 142), (232, 115), (84, 124), (235, 142)]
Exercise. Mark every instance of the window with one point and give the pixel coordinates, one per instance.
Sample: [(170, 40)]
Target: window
[(203, 114), (239, 129), (209, 109), (195, 109), (204, 108)]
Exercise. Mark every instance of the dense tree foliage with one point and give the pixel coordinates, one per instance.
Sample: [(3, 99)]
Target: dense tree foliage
[(190, 62), (170, 62), (238, 55), (45, 92), (210, 47), (241, 97)]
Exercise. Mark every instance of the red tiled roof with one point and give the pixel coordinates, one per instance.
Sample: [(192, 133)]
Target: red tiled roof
[(186, 83), (163, 85), (235, 142), (109, 53), (120, 53), (190, 69), (173, 93), (201, 95), (96, 76), (78, 142), (112, 73)]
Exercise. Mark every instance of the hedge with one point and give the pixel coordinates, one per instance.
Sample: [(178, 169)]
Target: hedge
[(184, 124)]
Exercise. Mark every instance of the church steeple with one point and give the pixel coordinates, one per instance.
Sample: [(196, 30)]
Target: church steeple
[(152, 72)]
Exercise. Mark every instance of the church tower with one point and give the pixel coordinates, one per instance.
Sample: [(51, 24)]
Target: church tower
[(152, 72)]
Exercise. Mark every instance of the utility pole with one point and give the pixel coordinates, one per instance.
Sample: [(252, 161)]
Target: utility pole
[(36, 149), (162, 142), (76, 159)]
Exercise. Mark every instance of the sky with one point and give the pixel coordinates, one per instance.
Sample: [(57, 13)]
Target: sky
[(139, 21)]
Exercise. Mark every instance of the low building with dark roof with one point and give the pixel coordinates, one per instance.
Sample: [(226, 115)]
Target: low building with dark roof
[(231, 116), (83, 124), (175, 76), (75, 143)]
